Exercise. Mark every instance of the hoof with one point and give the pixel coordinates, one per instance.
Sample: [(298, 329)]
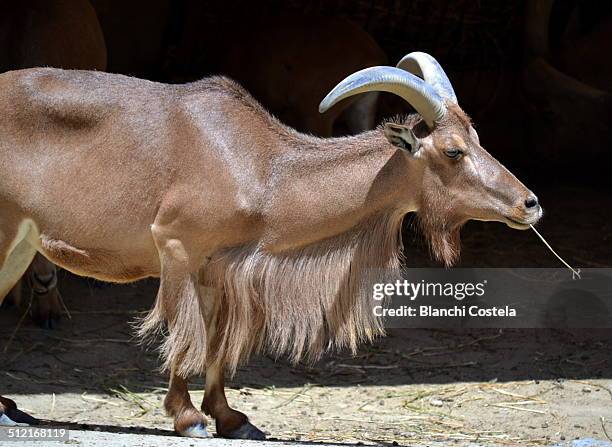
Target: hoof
[(247, 431), (6, 421), (14, 417), (196, 431), (47, 323)]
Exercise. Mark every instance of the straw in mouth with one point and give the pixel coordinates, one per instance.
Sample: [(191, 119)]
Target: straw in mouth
[(575, 272)]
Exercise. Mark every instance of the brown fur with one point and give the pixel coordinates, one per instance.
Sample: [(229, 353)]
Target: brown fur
[(179, 406), (434, 219), (100, 264), (444, 240), (301, 302)]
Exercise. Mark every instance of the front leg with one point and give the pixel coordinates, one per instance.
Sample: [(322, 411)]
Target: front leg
[(178, 303), (230, 423), (188, 421)]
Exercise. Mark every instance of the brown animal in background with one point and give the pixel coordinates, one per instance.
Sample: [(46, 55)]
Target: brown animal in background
[(289, 63), (260, 235), (134, 34), (56, 33), (557, 85)]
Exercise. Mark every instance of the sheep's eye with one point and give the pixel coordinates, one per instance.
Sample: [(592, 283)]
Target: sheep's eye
[(453, 153)]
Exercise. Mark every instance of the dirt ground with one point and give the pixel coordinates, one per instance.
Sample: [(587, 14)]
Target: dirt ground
[(514, 387)]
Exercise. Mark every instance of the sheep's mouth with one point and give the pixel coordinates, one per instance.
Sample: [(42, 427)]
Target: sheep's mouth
[(520, 224), (513, 222)]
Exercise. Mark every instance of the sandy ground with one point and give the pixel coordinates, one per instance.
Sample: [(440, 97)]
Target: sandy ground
[(516, 387)]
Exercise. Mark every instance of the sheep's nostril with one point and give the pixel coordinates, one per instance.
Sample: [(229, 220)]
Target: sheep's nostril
[(531, 202)]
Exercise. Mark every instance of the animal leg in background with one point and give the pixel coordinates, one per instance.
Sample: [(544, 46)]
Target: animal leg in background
[(41, 277), (46, 306)]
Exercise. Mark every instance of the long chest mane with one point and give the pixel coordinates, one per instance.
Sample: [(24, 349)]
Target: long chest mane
[(305, 301)]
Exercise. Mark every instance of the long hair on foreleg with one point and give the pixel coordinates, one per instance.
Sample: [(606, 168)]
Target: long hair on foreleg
[(184, 346)]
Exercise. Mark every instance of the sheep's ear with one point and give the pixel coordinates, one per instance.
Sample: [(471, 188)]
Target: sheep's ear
[(402, 137)]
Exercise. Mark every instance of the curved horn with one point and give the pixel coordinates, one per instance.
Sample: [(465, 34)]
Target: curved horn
[(393, 80), (425, 66)]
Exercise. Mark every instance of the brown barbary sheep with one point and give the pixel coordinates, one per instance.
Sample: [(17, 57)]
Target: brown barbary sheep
[(259, 234)]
